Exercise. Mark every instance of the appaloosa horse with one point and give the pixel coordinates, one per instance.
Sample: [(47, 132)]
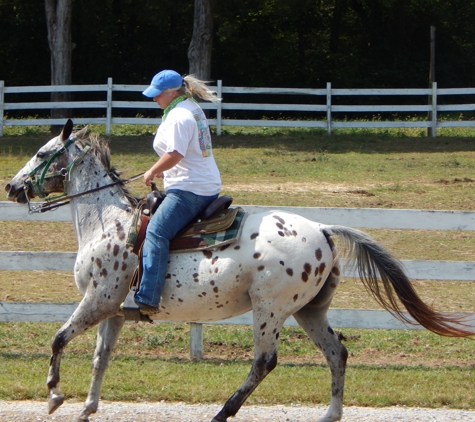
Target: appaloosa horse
[(282, 265)]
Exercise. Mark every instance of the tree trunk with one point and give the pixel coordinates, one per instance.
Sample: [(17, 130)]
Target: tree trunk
[(200, 49), (58, 21)]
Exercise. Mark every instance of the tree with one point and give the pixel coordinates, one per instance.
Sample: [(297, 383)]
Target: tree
[(23, 42), (58, 22), (200, 49), (298, 43)]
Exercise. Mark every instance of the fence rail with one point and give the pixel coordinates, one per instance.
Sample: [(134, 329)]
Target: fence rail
[(344, 318), (323, 105)]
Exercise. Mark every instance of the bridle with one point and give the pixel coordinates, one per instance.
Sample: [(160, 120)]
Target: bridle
[(35, 181)]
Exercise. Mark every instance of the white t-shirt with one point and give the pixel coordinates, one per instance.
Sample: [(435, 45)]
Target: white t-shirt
[(186, 131)]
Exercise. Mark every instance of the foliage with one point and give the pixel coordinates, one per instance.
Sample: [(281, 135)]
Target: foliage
[(23, 43), (303, 43)]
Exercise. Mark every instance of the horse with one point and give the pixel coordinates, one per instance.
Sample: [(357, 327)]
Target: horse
[(282, 265)]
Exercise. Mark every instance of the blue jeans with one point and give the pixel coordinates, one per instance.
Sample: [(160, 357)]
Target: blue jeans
[(177, 210)]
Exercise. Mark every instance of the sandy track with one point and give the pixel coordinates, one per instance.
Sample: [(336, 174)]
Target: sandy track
[(33, 411)]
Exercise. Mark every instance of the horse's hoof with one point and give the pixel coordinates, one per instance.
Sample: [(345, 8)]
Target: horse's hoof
[(54, 402)]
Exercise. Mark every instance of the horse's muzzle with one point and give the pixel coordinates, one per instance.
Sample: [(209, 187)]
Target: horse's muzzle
[(19, 194)]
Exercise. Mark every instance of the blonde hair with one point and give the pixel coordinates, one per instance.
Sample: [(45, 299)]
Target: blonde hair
[(196, 87)]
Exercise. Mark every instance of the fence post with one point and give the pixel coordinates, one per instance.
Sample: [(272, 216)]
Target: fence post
[(329, 108), (434, 110), (109, 106), (430, 116), (219, 108), (196, 340), (2, 107)]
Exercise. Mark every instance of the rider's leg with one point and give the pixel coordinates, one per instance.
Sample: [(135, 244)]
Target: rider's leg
[(178, 209)]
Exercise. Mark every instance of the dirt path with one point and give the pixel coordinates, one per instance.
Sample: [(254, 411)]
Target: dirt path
[(33, 411)]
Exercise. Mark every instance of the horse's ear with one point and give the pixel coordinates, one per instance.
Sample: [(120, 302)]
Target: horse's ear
[(67, 129), (82, 133)]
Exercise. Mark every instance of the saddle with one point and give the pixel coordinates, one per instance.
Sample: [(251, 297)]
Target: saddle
[(216, 217)]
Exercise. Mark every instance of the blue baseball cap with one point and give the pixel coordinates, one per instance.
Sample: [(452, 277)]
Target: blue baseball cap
[(163, 80)]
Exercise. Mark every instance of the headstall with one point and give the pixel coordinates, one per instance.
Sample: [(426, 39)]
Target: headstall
[(34, 181)]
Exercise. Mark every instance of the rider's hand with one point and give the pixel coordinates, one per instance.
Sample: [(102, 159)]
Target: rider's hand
[(149, 176)]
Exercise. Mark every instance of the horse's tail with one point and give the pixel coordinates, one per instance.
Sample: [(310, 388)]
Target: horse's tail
[(373, 261)]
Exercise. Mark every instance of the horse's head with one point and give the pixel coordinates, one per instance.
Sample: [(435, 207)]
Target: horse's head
[(45, 172)]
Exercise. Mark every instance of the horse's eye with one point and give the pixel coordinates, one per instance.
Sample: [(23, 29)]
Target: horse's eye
[(40, 155)]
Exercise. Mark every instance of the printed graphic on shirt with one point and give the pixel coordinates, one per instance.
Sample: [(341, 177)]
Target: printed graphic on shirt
[(204, 136)]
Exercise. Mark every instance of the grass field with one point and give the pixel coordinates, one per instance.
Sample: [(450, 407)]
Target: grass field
[(286, 167)]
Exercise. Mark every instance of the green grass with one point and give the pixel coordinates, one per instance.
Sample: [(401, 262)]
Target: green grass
[(267, 166), (147, 379), (296, 167), (151, 363), (171, 340)]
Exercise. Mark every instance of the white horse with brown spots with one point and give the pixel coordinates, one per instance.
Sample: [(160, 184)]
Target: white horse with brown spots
[(282, 265)]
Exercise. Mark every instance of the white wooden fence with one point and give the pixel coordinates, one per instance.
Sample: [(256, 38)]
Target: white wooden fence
[(324, 109), (342, 318)]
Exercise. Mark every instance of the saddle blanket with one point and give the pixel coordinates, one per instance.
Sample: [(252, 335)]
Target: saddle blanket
[(210, 240), (221, 229)]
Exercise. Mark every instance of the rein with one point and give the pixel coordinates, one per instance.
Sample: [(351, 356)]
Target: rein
[(54, 202)]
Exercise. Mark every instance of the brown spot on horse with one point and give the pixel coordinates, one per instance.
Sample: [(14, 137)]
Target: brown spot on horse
[(318, 254), (120, 230), (321, 268)]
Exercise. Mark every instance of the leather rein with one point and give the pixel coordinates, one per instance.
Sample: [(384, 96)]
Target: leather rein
[(52, 203)]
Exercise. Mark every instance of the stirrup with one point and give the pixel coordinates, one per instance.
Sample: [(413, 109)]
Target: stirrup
[(130, 309)]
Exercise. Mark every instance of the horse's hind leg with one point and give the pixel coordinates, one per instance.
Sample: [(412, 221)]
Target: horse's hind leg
[(266, 333), (107, 336), (313, 319)]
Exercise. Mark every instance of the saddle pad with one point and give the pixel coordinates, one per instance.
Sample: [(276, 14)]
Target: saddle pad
[(216, 223), (210, 240)]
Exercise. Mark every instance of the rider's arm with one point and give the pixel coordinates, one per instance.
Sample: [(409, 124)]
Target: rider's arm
[(166, 162)]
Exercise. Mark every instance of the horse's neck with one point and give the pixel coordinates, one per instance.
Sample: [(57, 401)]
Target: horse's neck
[(99, 212)]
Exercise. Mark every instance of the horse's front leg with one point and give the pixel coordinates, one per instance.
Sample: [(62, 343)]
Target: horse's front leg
[(65, 334), (107, 336), (87, 315), (55, 398)]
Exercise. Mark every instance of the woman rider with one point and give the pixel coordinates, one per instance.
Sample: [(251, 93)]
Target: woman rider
[(190, 175)]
